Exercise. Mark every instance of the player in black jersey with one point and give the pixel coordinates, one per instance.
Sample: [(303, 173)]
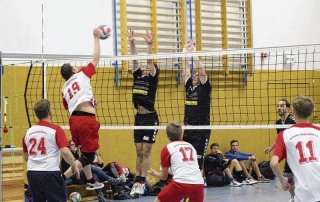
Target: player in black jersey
[(283, 109), (197, 103), (143, 97)]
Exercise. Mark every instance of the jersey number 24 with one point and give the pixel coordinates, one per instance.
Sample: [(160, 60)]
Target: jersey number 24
[(35, 147)]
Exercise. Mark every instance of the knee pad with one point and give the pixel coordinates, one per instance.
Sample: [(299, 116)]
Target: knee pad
[(86, 158)]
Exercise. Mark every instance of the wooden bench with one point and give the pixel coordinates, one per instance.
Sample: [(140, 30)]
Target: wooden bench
[(87, 195)]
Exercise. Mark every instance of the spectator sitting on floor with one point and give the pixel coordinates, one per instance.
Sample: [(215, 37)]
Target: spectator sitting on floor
[(215, 162), (246, 161)]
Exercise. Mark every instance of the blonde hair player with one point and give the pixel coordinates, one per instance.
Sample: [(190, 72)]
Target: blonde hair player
[(181, 158)]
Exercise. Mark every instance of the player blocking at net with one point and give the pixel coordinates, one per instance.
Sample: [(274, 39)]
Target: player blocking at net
[(197, 103), (143, 96), (79, 101)]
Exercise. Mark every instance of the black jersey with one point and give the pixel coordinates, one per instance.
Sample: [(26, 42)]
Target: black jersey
[(64, 165), (144, 89), (290, 120), (212, 162), (197, 104)]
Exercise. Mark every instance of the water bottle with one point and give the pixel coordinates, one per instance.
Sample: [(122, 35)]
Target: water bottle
[(205, 182)]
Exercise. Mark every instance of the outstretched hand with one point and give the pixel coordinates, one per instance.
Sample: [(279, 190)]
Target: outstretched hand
[(190, 46), (96, 33), (130, 35), (149, 36), (153, 172)]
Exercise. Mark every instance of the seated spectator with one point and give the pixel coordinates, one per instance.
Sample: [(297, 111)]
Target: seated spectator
[(96, 172), (235, 169), (216, 162), (246, 161)]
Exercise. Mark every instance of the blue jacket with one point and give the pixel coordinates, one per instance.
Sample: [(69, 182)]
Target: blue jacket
[(240, 156)]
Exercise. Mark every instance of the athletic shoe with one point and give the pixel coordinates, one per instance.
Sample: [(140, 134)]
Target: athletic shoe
[(141, 188), (96, 185), (235, 183), (134, 189), (253, 180), (292, 199), (186, 199), (247, 181), (262, 179)]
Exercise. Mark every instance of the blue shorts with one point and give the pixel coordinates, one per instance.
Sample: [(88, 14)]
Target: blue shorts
[(47, 185)]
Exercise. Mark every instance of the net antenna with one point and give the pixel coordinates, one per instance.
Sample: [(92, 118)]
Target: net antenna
[(245, 98)]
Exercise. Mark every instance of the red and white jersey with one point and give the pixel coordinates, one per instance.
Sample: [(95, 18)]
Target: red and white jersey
[(42, 142), (300, 145), (181, 157), (78, 89)]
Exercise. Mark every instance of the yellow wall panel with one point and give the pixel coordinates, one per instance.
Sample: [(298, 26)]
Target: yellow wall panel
[(117, 145)]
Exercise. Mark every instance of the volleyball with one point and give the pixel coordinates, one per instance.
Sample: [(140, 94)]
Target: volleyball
[(105, 31), (75, 197)]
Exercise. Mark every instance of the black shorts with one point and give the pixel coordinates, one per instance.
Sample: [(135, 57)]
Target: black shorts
[(287, 169), (47, 185), (148, 136), (199, 139)]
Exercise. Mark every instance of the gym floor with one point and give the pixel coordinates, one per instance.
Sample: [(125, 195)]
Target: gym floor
[(262, 192)]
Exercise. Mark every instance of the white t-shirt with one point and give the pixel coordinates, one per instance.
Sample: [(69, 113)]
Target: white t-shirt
[(78, 89), (42, 142), (181, 157), (300, 145)]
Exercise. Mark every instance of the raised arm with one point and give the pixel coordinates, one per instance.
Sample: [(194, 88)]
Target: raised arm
[(133, 50), (96, 49), (186, 64), (199, 66), (149, 39), (201, 70)]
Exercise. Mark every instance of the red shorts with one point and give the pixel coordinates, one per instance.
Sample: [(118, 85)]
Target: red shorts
[(176, 191), (84, 131)]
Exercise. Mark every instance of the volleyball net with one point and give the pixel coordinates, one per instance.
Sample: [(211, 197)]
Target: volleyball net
[(246, 85)]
